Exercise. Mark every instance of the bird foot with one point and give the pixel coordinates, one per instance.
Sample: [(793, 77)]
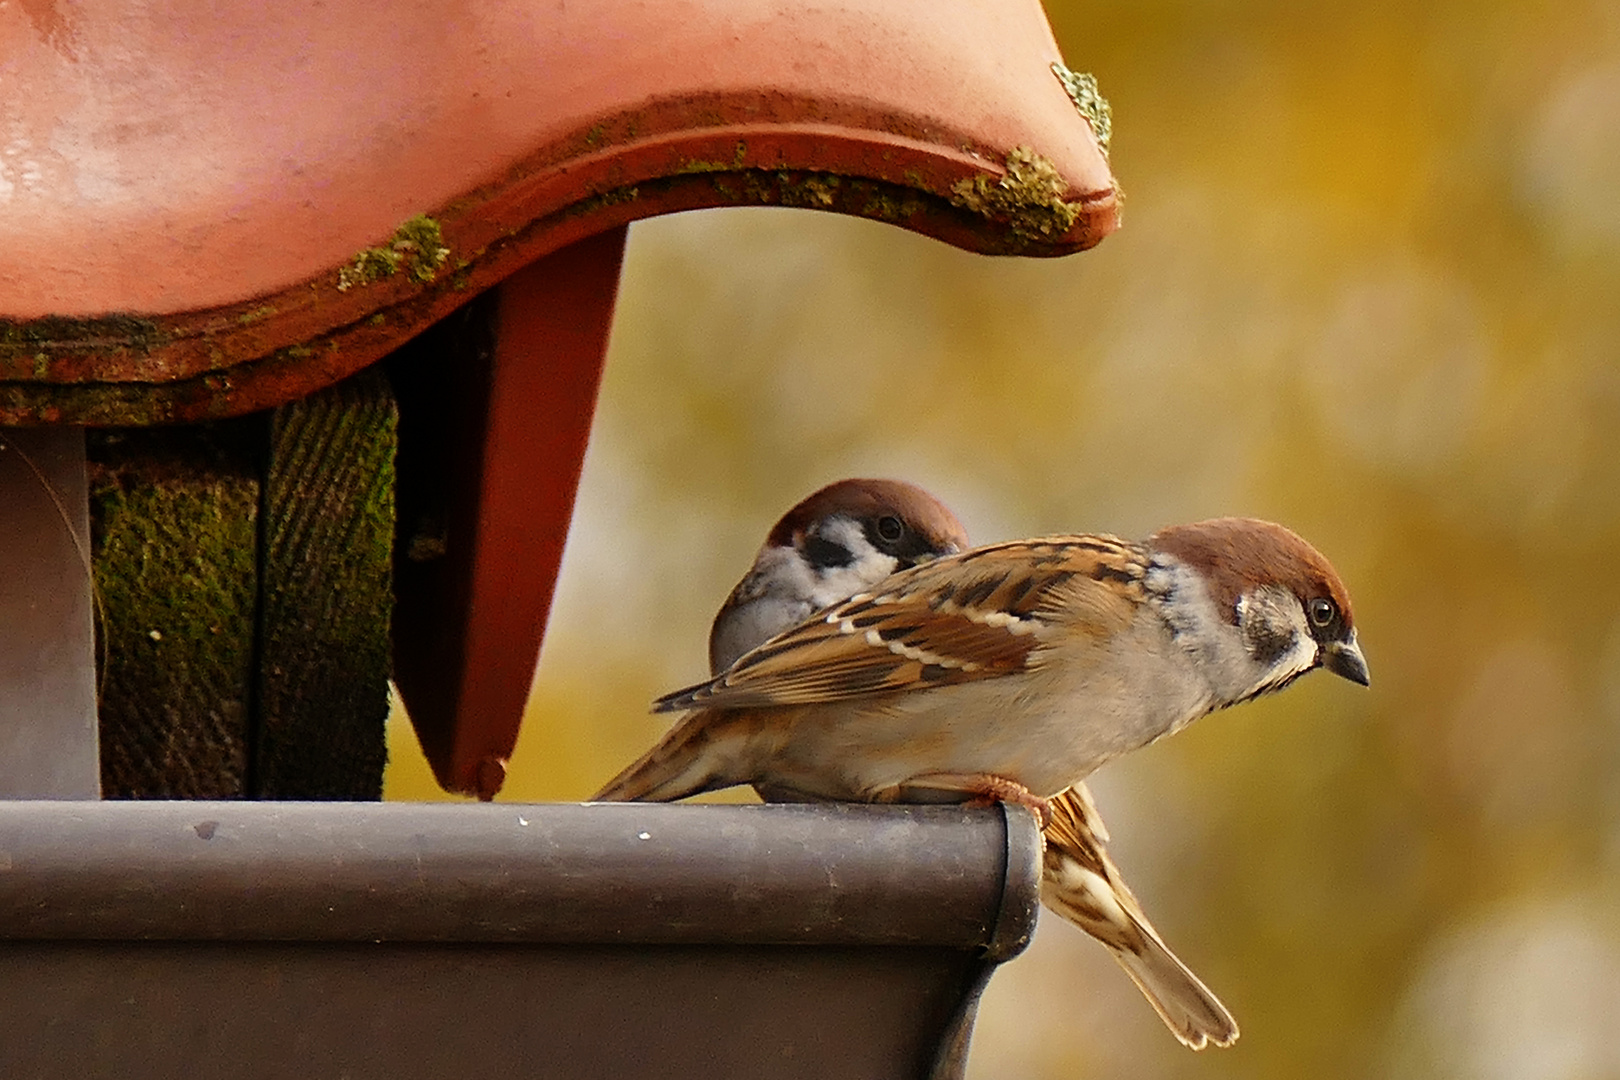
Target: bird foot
[(985, 790), (1001, 790)]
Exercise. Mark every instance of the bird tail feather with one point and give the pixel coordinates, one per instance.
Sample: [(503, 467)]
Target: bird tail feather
[(1187, 1007), (1081, 883), (681, 764)]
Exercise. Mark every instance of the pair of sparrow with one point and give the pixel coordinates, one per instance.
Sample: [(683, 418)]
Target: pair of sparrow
[(869, 655)]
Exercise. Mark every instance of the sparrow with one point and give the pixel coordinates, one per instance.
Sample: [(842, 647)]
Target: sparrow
[(1009, 671), (839, 540), (1080, 882)]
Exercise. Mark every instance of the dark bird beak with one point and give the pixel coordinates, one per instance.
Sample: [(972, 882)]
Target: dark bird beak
[(1344, 658)]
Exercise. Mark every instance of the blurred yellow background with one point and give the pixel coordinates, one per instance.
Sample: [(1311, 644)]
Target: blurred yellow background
[(1368, 285)]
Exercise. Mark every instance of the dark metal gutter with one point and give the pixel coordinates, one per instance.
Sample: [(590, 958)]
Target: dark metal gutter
[(413, 940)]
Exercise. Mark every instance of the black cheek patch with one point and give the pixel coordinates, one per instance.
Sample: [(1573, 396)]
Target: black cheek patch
[(825, 555), (1267, 643)]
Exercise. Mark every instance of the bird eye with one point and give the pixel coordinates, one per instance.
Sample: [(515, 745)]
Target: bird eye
[(890, 528), (1323, 612)]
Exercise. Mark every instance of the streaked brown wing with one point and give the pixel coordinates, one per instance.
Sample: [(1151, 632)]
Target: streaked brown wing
[(979, 615)]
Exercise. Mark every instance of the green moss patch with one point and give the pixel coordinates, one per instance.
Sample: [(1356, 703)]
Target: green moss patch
[(1088, 100), (174, 522), (103, 332), (417, 248), (1029, 197)]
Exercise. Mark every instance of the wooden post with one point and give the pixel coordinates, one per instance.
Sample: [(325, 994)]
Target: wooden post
[(326, 595), (245, 569), (176, 517)]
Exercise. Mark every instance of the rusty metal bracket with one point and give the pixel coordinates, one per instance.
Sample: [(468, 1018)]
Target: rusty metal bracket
[(48, 735)]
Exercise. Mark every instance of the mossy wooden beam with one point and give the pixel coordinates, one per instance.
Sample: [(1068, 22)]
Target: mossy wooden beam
[(244, 570), (174, 521), (326, 594)]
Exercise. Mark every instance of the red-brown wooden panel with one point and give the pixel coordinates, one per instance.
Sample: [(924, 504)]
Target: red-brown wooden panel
[(513, 416)]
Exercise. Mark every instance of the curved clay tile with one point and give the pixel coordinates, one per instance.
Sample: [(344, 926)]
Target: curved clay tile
[(233, 204)]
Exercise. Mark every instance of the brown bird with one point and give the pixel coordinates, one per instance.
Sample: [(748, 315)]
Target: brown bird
[(837, 541), (1080, 881), (1011, 670)]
